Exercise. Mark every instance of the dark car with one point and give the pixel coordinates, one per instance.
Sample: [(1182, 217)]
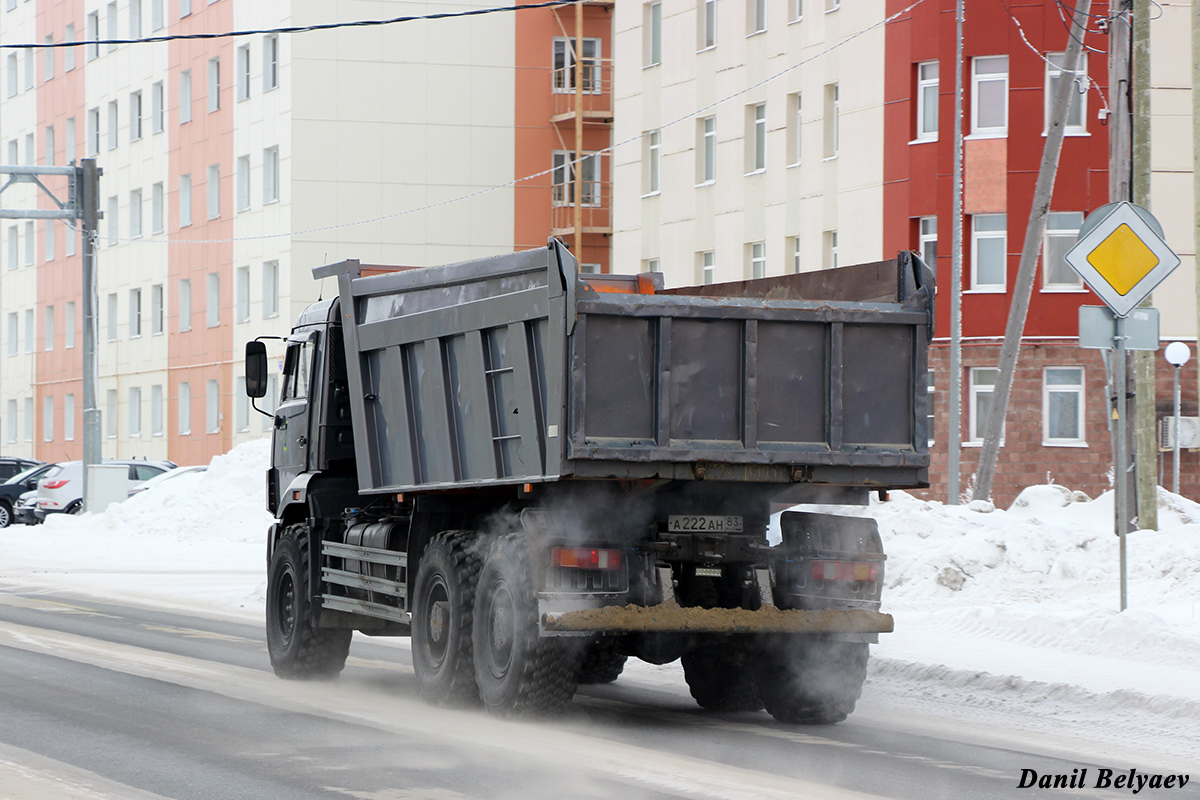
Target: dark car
[(16, 485), (11, 465)]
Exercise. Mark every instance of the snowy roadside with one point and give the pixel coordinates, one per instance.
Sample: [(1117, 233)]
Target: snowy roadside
[(1004, 615)]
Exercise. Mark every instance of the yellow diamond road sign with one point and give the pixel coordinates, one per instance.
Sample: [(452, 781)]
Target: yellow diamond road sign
[(1121, 255)]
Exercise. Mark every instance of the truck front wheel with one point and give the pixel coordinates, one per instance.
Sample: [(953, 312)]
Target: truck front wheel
[(518, 671), (297, 649), (811, 681), (442, 614)]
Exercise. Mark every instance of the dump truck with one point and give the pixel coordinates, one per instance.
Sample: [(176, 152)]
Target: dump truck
[(537, 474)]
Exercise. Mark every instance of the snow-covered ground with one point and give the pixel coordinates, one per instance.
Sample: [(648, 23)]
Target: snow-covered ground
[(1005, 617)]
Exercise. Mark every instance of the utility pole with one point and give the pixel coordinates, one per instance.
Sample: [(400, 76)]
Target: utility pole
[(1196, 162), (1144, 362), (954, 440), (579, 132), (1027, 270)]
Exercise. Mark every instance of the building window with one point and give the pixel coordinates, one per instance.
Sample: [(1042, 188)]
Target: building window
[(564, 65), (653, 162), (270, 175), (652, 25), (270, 289), (49, 247), (756, 16), (93, 131), (927, 101), (135, 411), (212, 407), (831, 249), (111, 23), (756, 138), (989, 96), (212, 189), (48, 60), (69, 417), (989, 252), (1062, 406), (13, 82), (156, 15), (157, 215), (48, 145), (114, 121), (92, 50), (795, 249), (30, 331), (185, 408), (757, 256), (111, 317), (158, 104), (185, 200), (69, 52), (110, 219), (69, 325), (242, 293), (707, 11), (797, 7), (214, 299), (185, 8), (706, 150), (982, 382), (243, 183), (135, 19), (48, 328), (927, 247), (135, 214), (270, 62), (243, 72), (135, 313), (1062, 231), (156, 410), (185, 96), (795, 128), (214, 84), (1077, 113), (69, 144), (832, 123), (156, 309), (241, 405), (185, 305), (30, 243), (707, 263), (30, 150), (563, 179), (930, 405), (48, 419)]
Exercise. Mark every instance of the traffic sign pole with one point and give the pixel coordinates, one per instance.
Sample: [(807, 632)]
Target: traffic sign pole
[(1121, 457)]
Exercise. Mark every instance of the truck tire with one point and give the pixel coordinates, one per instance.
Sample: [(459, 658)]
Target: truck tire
[(443, 607), (6, 515), (518, 671), (297, 649), (601, 663), (721, 678), (815, 682)]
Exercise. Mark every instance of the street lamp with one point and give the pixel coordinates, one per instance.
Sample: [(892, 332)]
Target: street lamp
[(1177, 353)]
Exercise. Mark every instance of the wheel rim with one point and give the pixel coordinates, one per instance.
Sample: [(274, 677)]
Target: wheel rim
[(5, 516), (437, 622), (285, 606), (502, 629)]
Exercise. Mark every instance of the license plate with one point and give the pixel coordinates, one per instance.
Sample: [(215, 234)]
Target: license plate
[(703, 523)]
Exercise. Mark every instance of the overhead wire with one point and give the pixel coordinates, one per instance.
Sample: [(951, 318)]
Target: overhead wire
[(165, 239)]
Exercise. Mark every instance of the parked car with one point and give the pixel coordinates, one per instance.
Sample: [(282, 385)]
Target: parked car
[(12, 465), (17, 485), (60, 491), (170, 475), (25, 511)]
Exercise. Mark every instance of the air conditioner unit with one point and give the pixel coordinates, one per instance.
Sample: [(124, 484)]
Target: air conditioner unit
[(1189, 432)]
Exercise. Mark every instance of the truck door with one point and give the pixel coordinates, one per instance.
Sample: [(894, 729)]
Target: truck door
[(290, 444)]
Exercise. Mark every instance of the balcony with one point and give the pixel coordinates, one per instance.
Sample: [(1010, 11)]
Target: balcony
[(595, 210), (596, 102)]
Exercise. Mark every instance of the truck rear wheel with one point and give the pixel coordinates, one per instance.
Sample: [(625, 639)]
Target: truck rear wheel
[(518, 671), (297, 649), (721, 678), (442, 613), (601, 663), (811, 682)]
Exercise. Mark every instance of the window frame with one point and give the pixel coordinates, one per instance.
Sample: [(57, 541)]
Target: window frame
[(1070, 235), (979, 131), (1053, 72), (1079, 390), (924, 100), (976, 237)]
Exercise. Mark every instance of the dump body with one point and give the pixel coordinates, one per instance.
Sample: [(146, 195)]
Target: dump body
[(515, 370)]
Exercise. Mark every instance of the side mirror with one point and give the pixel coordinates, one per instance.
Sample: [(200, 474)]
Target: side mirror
[(256, 369)]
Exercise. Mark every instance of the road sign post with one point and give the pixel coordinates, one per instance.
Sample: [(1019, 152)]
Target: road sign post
[(1121, 256)]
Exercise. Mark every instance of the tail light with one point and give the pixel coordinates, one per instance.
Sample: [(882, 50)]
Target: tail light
[(586, 558), (54, 484), (845, 571)]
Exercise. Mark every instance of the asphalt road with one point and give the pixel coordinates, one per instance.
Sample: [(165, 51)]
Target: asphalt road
[(105, 701)]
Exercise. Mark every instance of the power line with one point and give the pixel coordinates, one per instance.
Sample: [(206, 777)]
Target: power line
[(579, 158), (326, 26)]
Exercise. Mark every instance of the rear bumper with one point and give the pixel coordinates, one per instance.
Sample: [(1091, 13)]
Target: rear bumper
[(672, 618)]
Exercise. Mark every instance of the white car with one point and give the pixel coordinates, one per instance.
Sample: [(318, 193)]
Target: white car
[(60, 490), (170, 475)]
